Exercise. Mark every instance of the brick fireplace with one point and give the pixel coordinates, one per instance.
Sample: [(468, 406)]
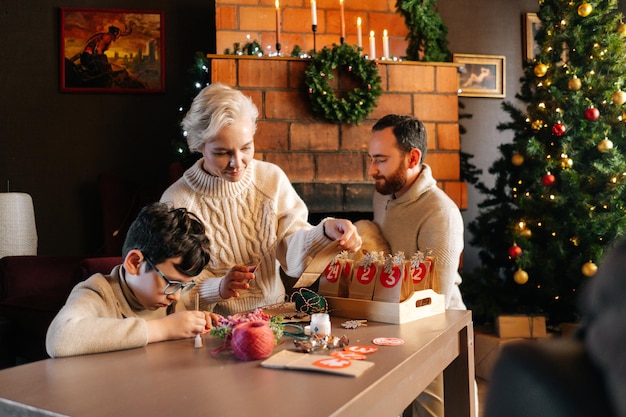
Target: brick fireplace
[(327, 162)]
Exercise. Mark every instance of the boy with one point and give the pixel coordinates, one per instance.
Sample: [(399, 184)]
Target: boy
[(164, 249)]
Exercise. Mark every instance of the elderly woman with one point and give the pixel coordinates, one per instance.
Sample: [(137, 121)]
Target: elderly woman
[(255, 219)]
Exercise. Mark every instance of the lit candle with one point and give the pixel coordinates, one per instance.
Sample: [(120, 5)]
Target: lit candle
[(385, 44), (372, 45), (314, 12), (343, 21), (277, 23), (359, 35)]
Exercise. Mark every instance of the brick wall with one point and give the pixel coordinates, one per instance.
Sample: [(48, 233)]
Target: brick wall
[(243, 20), (328, 162)]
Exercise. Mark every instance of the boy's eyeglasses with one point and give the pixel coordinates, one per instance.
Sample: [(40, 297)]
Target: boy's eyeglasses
[(172, 286)]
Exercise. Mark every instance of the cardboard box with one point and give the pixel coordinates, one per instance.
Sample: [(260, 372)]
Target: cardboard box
[(529, 327), (420, 304)]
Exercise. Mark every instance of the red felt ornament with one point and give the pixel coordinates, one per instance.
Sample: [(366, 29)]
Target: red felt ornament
[(252, 340), (515, 251), (592, 114), (548, 180), (558, 129)]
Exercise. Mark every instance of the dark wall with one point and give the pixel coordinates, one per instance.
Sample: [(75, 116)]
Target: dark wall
[(54, 145)]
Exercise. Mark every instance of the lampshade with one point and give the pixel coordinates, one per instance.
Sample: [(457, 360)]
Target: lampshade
[(18, 234)]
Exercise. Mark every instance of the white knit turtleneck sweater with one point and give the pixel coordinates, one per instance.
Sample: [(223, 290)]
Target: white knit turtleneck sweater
[(244, 220)]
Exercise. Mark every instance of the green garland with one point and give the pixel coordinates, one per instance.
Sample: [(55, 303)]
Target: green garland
[(360, 102)]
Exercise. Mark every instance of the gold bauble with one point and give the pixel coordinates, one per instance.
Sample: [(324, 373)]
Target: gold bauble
[(584, 10), (621, 29), (520, 277), (589, 269), (618, 97), (574, 84), (525, 233), (605, 145), (537, 124), (540, 70), (566, 163), (517, 159)]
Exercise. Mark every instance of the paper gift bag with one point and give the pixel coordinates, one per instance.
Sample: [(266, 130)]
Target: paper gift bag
[(422, 272), (364, 275), (335, 280), (393, 284)]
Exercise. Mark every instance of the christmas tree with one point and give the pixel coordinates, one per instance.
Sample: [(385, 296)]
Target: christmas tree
[(560, 187), (198, 77)]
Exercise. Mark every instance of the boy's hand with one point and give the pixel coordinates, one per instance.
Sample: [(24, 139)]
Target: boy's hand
[(180, 325), (212, 319)]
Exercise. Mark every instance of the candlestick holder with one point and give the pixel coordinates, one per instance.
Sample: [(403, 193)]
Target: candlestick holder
[(341, 40), (277, 48), (314, 29)]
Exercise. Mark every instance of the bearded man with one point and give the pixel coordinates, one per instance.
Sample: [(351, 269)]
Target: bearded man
[(414, 214)]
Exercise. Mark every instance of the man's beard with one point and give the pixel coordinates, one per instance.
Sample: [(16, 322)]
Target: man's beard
[(394, 182)]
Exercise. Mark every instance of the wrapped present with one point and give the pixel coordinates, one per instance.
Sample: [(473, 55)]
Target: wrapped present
[(393, 283), (520, 325)]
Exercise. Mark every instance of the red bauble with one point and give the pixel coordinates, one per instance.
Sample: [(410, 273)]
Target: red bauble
[(548, 180), (515, 251), (592, 114), (252, 340), (558, 129)]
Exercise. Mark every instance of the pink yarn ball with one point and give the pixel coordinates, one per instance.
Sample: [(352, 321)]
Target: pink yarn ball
[(252, 340)]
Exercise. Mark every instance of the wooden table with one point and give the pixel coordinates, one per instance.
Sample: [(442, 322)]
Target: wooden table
[(172, 378)]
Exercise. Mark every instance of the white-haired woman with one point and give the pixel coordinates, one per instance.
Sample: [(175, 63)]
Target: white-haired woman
[(252, 212)]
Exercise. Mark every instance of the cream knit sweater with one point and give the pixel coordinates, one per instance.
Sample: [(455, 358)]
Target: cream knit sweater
[(100, 315), (258, 219), (425, 218)]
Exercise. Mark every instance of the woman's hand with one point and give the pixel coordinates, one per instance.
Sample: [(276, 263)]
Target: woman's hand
[(344, 233), (237, 278)]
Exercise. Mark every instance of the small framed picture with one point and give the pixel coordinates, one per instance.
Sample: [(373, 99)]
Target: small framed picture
[(112, 51), (481, 75), (531, 25)]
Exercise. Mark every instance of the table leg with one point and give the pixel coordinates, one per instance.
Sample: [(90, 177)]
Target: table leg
[(459, 380)]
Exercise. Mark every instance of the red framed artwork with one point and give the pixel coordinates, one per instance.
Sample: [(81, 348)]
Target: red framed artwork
[(112, 51)]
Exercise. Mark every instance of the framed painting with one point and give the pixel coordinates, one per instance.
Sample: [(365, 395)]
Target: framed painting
[(531, 25), (112, 51), (481, 75)]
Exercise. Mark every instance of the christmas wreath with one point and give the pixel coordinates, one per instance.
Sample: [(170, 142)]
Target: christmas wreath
[(357, 103)]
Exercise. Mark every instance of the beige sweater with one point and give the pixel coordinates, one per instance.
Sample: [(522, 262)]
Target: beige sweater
[(258, 219), (100, 315)]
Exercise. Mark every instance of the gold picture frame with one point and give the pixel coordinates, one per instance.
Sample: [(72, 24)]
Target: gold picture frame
[(531, 24), (481, 75), (112, 51)]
